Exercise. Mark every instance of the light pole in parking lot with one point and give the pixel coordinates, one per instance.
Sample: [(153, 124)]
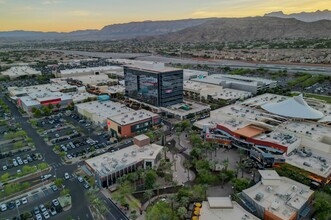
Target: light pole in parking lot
[(18, 211)]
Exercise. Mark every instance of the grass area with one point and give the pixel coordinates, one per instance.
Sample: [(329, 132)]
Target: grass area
[(315, 96), (320, 97), (299, 80)]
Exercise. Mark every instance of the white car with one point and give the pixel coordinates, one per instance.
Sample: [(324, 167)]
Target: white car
[(4, 168), (24, 200), (80, 179), (46, 215), (55, 202), (39, 217), (19, 171), (3, 207), (25, 161), (42, 208), (66, 176), (18, 202), (69, 156)]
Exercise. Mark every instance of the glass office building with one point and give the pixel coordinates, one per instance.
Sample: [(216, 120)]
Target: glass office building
[(159, 87)]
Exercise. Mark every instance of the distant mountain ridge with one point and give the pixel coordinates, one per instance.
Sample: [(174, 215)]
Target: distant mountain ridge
[(248, 29), (110, 32), (190, 30), (303, 16)]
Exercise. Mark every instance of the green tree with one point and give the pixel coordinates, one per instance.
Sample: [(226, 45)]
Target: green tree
[(222, 176), (37, 113), (160, 211), (181, 212), (58, 182), (322, 205), (187, 164), (148, 195), (240, 184), (150, 179), (65, 192)]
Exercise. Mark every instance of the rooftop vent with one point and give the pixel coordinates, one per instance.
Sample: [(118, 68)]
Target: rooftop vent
[(259, 196)]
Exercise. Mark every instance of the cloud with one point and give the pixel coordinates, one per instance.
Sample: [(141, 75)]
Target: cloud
[(3, 2)]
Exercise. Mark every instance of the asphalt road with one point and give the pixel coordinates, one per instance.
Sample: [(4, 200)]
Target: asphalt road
[(313, 69)]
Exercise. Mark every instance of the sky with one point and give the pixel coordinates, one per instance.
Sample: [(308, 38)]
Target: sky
[(69, 15)]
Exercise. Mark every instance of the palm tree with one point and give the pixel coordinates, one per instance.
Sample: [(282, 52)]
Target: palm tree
[(225, 164), (240, 166), (157, 187), (187, 164), (223, 176), (148, 195)]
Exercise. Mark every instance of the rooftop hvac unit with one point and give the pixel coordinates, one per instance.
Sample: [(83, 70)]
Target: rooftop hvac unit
[(151, 153), (269, 189), (126, 155), (133, 153), (294, 188), (124, 159), (132, 118), (259, 196)]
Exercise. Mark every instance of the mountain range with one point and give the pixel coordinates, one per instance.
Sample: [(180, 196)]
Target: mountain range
[(304, 16), (275, 25)]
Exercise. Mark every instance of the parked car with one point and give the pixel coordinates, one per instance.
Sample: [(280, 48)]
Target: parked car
[(4, 168), (80, 179), (54, 188), (36, 210), (42, 208), (18, 202), (52, 210), (55, 202), (11, 205), (24, 200), (46, 215), (3, 207), (39, 217)]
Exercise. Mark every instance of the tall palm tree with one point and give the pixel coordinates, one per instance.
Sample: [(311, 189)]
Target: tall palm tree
[(148, 195), (226, 164), (223, 176), (187, 164)]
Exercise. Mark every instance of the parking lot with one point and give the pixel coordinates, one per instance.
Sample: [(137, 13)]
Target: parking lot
[(70, 136)]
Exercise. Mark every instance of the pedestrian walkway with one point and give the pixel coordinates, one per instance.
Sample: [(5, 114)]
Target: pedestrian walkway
[(180, 174)]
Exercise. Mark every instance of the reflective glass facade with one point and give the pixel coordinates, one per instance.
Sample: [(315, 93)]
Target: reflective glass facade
[(155, 88)]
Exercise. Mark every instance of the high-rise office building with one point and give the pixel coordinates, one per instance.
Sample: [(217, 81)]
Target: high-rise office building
[(154, 84)]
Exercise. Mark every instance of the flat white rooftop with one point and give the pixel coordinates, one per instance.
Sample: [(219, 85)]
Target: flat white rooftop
[(311, 160), (51, 87), (112, 89), (152, 67), (90, 69), (179, 109), (283, 199), (132, 117), (109, 163), (104, 109), (215, 91), (35, 98), (235, 212), (81, 96), (218, 78), (17, 71)]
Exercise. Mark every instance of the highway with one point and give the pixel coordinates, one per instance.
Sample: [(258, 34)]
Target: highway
[(308, 68)]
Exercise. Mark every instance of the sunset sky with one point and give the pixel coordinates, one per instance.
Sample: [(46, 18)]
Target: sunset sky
[(69, 15)]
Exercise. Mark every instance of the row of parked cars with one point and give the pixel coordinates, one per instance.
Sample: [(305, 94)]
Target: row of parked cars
[(21, 161), (13, 204), (41, 211)]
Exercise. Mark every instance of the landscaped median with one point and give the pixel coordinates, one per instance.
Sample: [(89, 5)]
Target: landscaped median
[(12, 184)]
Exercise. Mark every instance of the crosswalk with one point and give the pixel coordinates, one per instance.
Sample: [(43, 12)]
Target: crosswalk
[(56, 165)]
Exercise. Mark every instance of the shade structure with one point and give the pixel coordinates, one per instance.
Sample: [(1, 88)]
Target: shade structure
[(295, 107), (197, 204)]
